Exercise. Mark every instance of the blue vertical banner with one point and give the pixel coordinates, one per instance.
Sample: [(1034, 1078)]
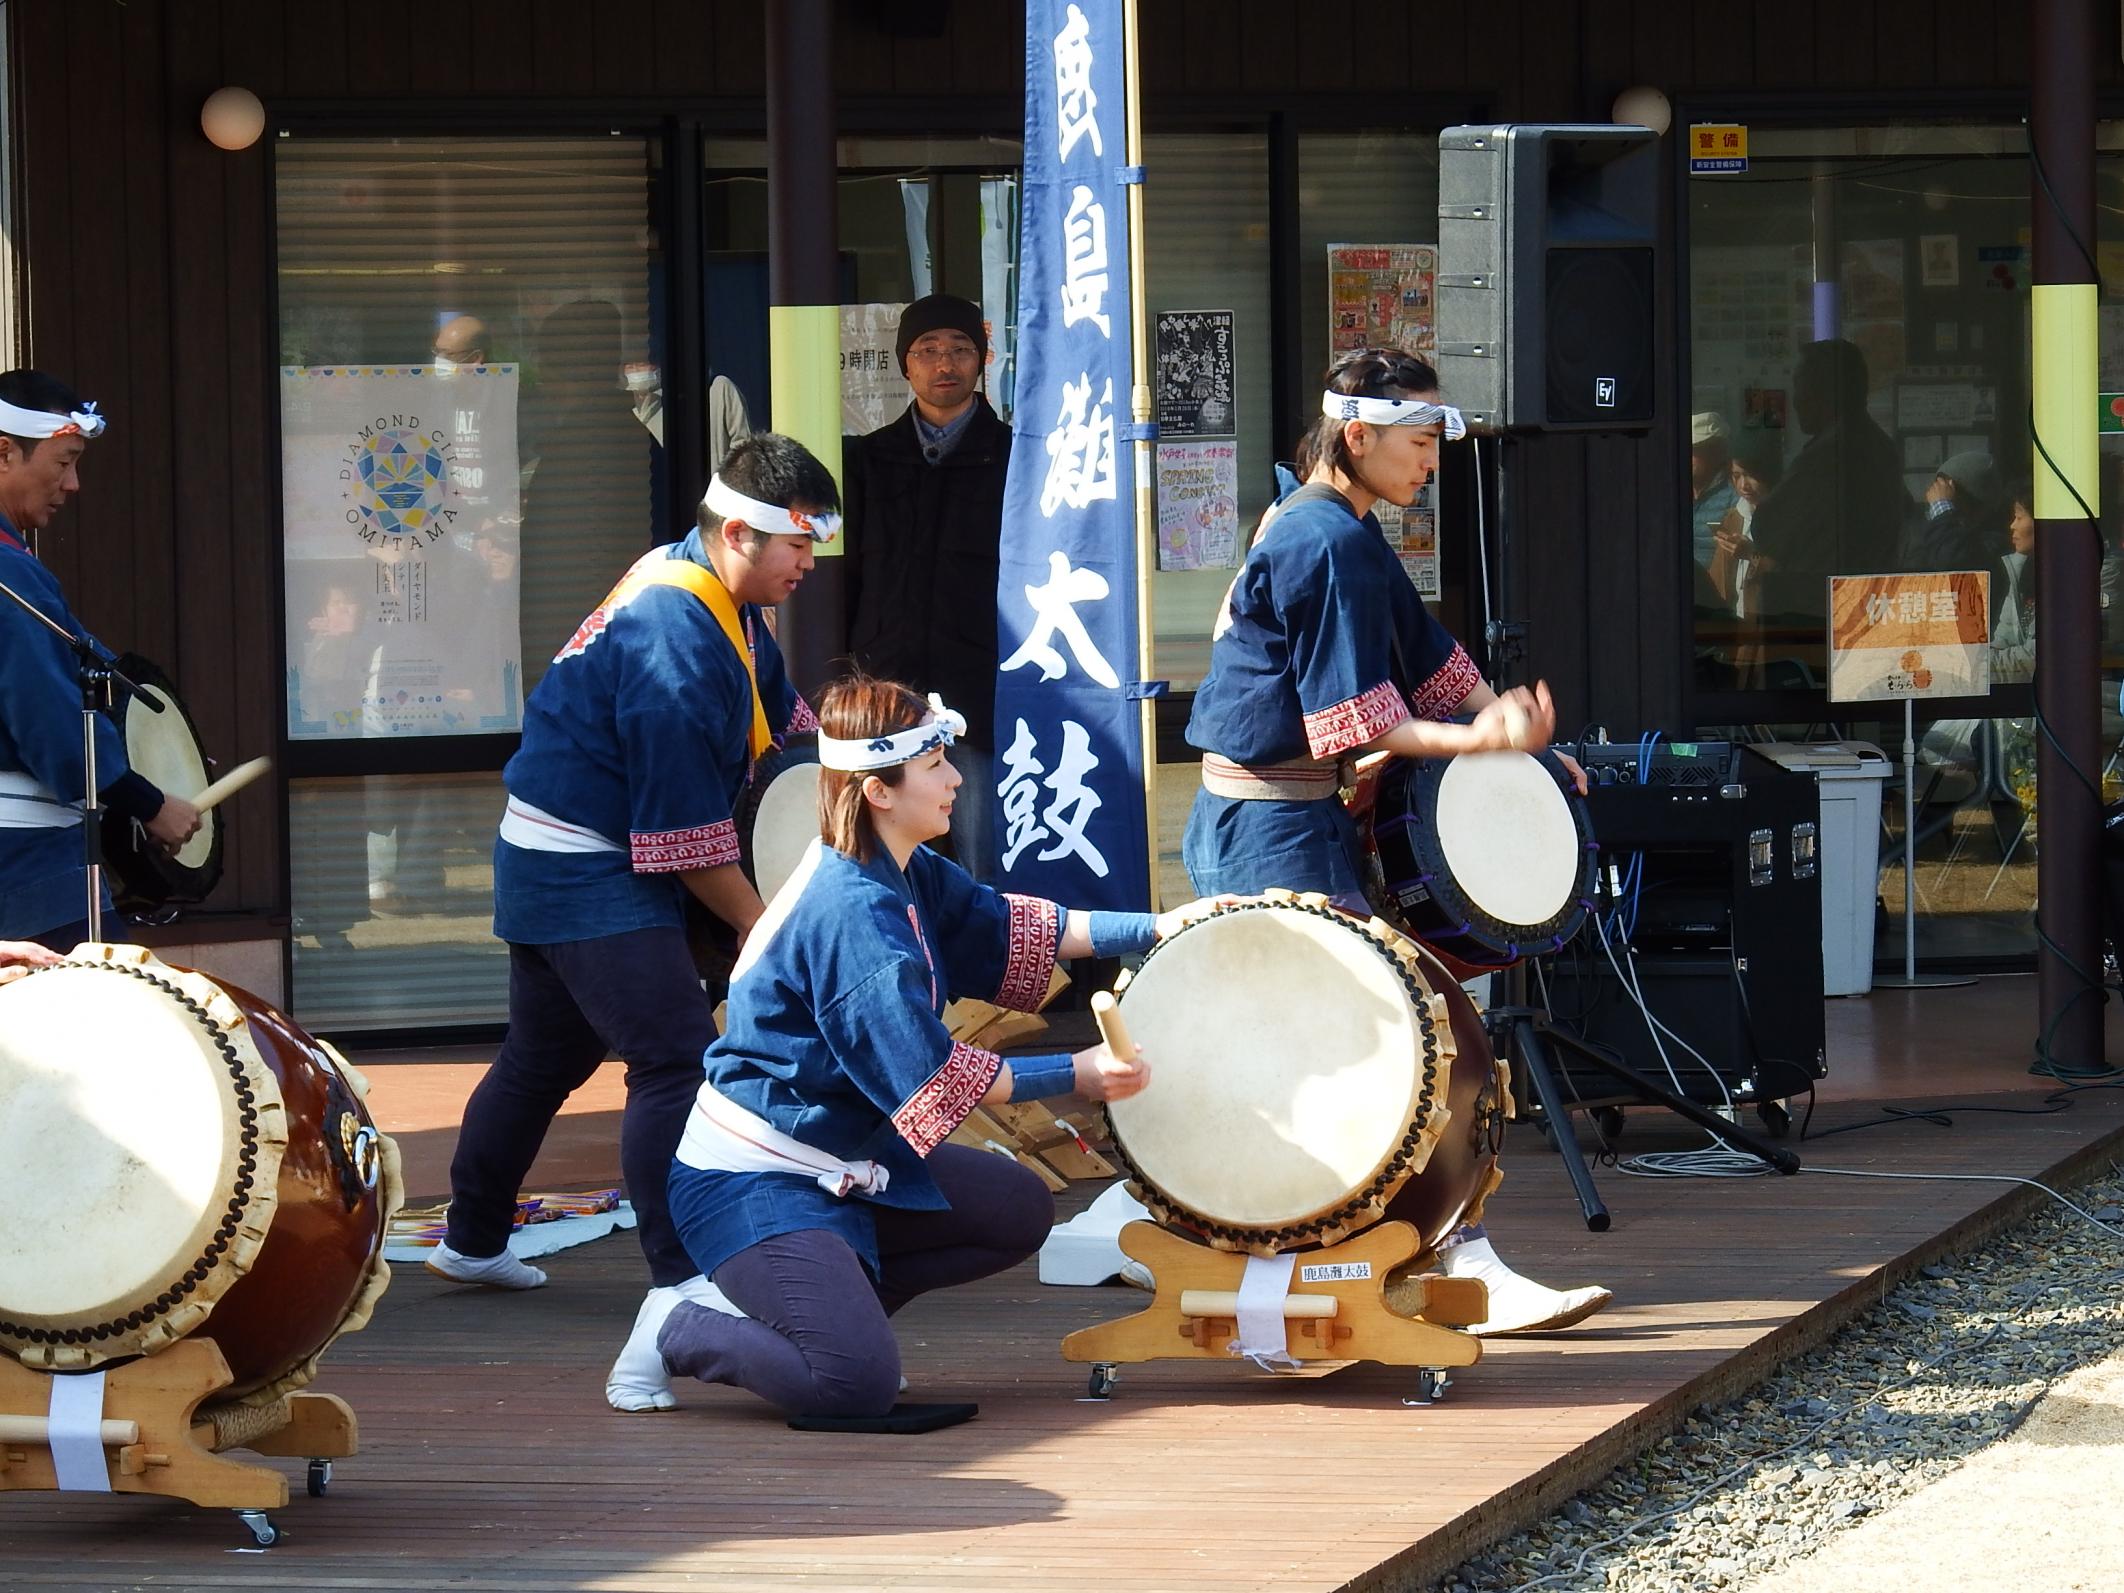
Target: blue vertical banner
[(1069, 748)]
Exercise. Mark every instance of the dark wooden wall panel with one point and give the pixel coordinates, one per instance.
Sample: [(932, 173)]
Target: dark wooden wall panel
[(254, 696), (149, 431), (150, 257)]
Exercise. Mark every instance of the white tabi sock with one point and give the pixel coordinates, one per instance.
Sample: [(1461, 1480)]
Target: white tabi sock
[(1517, 1304), (496, 1272), (639, 1379)]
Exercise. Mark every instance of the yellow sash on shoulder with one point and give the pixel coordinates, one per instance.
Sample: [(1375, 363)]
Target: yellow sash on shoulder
[(703, 584)]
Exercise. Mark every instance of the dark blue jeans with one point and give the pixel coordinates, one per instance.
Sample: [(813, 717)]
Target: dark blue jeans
[(633, 995), (814, 1339)]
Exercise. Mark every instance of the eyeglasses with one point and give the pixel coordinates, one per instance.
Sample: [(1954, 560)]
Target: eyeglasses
[(963, 355)]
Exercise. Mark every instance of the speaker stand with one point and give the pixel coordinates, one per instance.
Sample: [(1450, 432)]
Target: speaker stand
[(1524, 1034)]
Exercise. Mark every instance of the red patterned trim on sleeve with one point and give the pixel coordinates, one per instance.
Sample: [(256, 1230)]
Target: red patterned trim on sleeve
[(1035, 939), (1441, 695), (674, 851), (802, 721), (927, 1117), (1351, 723)]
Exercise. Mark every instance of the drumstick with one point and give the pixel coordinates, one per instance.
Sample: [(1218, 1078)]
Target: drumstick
[(232, 782), (1111, 1029)]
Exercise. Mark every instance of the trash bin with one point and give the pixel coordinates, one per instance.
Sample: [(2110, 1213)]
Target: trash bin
[(1849, 775)]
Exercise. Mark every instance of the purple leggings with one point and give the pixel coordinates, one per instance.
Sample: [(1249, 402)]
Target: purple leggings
[(814, 1339)]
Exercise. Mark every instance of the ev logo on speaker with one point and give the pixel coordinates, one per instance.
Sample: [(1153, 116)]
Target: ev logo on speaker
[(1604, 392)]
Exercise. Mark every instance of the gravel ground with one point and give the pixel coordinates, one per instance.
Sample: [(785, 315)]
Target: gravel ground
[(1947, 1364)]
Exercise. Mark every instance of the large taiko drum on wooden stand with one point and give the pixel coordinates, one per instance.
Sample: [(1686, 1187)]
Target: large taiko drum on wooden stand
[(1311, 1074), (177, 1160)]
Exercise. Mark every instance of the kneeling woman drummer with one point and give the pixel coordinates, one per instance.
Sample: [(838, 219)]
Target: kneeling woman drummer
[(813, 1184)]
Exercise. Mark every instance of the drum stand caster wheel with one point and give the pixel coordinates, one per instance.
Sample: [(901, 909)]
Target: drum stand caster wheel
[(320, 1478), (262, 1528), (1775, 1117), (1101, 1384), (1609, 1120), (1431, 1386)]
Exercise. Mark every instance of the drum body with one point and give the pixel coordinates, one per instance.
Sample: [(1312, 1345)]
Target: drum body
[(1486, 858), (180, 1160), (165, 750), (1313, 1074), (777, 817)]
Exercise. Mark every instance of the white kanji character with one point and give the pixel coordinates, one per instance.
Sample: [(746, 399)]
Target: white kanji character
[(1075, 802), (1076, 106), (1055, 611), (1084, 262), (1910, 608), (1020, 790), (1878, 608), (1080, 450), (1943, 607)]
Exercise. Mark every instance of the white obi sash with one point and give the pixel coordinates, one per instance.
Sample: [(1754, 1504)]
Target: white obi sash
[(724, 1137), (536, 830), (28, 804)]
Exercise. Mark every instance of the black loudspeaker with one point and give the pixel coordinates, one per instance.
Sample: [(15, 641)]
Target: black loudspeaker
[(1727, 903), (1545, 250)]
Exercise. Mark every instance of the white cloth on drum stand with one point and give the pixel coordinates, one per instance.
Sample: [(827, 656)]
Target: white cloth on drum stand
[(1263, 1335), (74, 1430)]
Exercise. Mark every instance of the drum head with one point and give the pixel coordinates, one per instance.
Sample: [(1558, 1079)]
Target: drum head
[(1287, 1065), (164, 751), (1509, 837), (139, 1144), (785, 824)]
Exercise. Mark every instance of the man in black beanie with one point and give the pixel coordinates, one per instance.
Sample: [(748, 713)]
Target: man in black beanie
[(923, 500)]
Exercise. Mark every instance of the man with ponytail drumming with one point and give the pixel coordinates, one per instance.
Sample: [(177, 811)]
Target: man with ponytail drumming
[(813, 1183), (1325, 651), (636, 744), (44, 430)]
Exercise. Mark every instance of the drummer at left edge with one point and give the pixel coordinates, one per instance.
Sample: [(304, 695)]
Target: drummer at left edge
[(637, 743), (44, 430)]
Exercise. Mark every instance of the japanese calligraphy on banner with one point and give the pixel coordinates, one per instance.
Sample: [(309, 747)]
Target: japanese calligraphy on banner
[(1069, 754), (873, 391), (1896, 636), (399, 498)]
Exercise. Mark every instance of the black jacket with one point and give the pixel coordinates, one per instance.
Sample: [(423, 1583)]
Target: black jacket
[(921, 572)]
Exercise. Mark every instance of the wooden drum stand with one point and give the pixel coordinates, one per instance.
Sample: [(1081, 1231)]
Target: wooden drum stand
[(1338, 1310), (153, 1439)]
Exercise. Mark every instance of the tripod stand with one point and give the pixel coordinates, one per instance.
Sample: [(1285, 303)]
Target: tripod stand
[(1524, 1034)]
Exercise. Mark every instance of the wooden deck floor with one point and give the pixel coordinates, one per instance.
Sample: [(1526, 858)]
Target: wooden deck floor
[(491, 1462)]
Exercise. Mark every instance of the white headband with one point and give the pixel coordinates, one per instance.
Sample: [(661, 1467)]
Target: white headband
[(1394, 412), (83, 422), (769, 518), (940, 729)]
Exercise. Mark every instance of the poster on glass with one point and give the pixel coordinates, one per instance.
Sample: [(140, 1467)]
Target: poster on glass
[(401, 516)]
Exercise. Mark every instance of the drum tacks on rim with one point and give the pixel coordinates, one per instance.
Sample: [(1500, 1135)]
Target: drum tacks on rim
[(1314, 1074), (1486, 858), (178, 1159)]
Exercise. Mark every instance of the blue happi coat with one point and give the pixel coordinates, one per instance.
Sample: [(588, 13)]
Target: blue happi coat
[(42, 884), (1323, 646), (836, 1037), (637, 732)]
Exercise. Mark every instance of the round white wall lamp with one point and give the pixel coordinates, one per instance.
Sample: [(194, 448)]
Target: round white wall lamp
[(232, 118)]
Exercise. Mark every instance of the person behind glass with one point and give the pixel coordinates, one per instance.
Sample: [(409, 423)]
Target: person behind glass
[(44, 430), (814, 1184), (1710, 482), (2013, 600), (925, 521), (1960, 528), (1324, 651), (1736, 570), (1842, 505), (636, 743)]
